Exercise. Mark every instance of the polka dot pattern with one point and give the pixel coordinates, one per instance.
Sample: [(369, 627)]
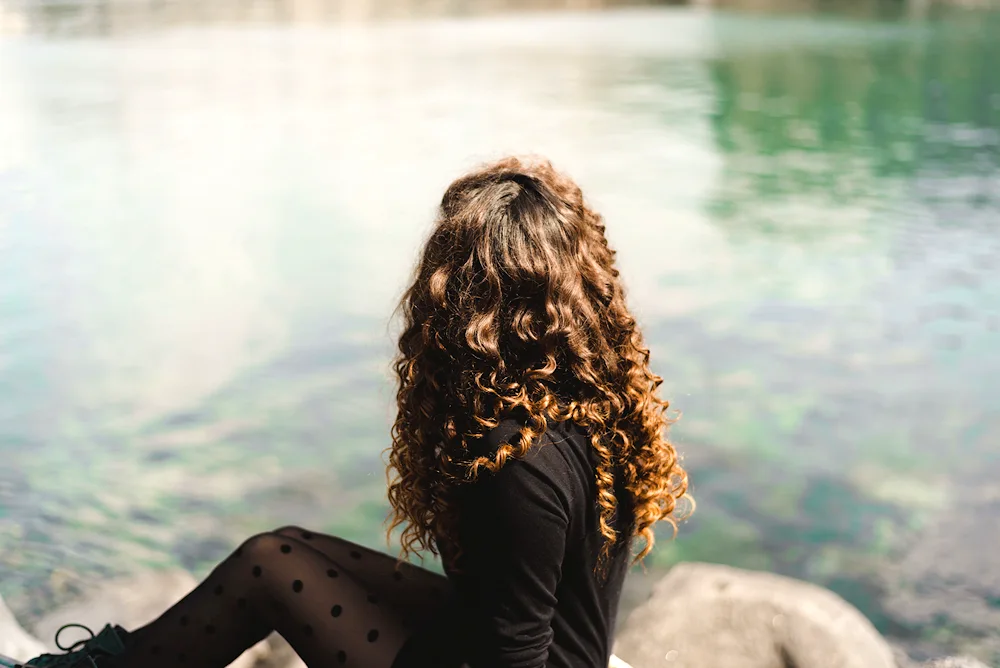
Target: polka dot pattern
[(249, 595)]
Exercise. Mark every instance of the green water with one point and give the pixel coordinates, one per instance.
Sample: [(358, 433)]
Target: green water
[(203, 230)]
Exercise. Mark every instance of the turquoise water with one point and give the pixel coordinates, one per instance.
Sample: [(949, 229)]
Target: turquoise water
[(204, 228)]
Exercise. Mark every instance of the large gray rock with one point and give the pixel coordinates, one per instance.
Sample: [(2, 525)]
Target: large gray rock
[(711, 616), (131, 602), (280, 655)]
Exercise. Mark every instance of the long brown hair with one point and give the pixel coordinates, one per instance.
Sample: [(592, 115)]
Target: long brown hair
[(516, 308)]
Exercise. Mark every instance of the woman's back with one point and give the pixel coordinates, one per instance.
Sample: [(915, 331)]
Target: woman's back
[(516, 329), (528, 594)]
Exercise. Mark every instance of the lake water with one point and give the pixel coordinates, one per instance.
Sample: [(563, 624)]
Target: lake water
[(204, 228)]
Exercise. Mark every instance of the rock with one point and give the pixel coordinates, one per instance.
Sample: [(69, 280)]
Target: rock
[(280, 655), (131, 602), (615, 662), (15, 642), (707, 615)]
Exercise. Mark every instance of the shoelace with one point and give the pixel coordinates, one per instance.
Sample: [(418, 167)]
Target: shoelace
[(79, 643)]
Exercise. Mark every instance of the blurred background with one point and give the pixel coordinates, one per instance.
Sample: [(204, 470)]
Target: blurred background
[(208, 209)]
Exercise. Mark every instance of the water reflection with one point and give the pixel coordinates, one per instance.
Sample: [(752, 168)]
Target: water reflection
[(117, 17)]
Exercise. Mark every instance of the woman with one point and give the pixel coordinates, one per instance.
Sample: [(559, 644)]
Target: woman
[(529, 451)]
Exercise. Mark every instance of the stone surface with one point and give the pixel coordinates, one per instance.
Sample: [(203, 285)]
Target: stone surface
[(615, 662), (279, 655), (706, 615)]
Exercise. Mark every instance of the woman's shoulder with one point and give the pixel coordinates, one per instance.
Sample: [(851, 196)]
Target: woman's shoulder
[(547, 474), (560, 434), (557, 453)]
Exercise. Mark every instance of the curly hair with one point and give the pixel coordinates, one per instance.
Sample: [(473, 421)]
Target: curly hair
[(517, 310)]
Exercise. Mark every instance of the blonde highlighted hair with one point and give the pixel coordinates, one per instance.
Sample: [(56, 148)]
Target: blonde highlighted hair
[(517, 309)]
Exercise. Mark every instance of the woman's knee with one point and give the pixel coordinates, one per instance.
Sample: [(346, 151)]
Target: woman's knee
[(297, 532), (263, 545)]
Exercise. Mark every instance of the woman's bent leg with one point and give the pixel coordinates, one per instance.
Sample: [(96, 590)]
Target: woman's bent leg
[(272, 583), (414, 592)]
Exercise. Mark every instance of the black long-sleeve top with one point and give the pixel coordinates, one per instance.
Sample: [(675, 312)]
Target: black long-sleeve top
[(528, 596)]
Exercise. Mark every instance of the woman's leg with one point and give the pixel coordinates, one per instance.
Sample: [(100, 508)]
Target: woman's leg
[(410, 590), (273, 583)]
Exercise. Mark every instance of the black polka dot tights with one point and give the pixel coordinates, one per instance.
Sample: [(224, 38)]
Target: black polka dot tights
[(335, 602)]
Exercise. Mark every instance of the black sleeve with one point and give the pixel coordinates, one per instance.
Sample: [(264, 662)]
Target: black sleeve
[(513, 535)]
